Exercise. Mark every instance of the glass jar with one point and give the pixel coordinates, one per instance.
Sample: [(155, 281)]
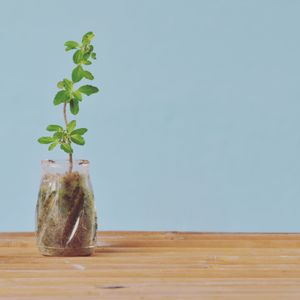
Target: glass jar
[(66, 220)]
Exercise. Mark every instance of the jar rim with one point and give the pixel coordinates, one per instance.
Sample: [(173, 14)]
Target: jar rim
[(53, 162)]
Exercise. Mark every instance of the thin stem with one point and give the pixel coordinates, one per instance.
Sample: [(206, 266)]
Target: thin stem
[(66, 122)]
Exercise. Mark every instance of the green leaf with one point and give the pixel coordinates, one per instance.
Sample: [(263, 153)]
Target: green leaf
[(78, 73), (77, 139), (54, 128), (88, 75), (86, 62), (74, 107), (60, 85), (90, 49), (79, 131), (93, 55), (86, 56), (52, 146), (45, 140), (71, 126), (66, 147), (77, 95), (71, 45), (77, 57), (61, 97), (58, 134), (88, 89), (68, 84), (86, 39)]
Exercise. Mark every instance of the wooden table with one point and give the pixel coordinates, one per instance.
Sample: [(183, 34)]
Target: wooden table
[(156, 265)]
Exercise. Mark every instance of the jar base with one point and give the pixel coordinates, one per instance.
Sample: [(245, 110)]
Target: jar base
[(49, 251)]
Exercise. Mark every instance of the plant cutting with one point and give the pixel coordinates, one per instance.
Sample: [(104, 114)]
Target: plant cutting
[(66, 221)]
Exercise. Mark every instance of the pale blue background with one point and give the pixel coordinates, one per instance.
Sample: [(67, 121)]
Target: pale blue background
[(197, 126)]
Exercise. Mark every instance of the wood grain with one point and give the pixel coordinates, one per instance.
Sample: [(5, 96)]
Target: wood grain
[(156, 265)]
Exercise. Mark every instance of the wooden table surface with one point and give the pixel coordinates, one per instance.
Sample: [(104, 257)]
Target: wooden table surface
[(156, 265)]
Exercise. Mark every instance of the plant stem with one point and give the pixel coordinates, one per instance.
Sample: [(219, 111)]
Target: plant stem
[(70, 154)]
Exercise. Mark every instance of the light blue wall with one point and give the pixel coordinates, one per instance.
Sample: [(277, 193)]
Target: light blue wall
[(197, 126)]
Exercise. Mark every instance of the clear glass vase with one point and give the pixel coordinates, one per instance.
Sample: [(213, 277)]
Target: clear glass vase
[(66, 220)]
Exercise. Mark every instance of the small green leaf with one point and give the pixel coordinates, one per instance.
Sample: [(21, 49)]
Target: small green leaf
[(61, 97), (77, 57), (88, 89), (79, 131), (86, 56), (93, 55), (77, 95), (74, 107), (66, 147), (71, 126), (77, 139), (60, 85), (58, 134), (45, 140), (54, 128), (88, 75), (71, 45), (78, 73), (90, 49), (86, 62), (68, 84), (52, 146), (86, 39)]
